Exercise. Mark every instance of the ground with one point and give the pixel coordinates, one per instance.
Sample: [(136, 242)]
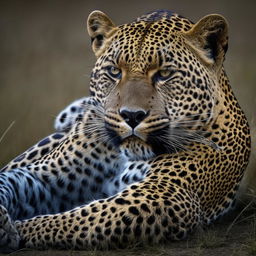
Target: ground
[(45, 63)]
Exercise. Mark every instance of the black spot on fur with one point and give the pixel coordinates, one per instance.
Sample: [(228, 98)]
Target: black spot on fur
[(43, 142), (32, 154), (134, 210)]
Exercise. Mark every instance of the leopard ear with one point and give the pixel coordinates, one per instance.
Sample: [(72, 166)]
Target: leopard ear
[(98, 25), (209, 36)]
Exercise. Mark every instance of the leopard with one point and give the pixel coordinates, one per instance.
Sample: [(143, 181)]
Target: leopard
[(156, 151), (71, 114)]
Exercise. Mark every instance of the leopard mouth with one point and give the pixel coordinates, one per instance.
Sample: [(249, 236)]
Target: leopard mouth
[(153, 140), (118, 140)]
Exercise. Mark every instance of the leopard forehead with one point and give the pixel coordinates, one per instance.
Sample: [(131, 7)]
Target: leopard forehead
[(146, 41)]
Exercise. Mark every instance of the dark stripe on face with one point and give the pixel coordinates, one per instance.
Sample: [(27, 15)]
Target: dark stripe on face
[(159, 142), (114, 138)]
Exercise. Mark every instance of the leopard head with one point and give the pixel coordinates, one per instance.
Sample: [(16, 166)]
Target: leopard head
[(157, 79)]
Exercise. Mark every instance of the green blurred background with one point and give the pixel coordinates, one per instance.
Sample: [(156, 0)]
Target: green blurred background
[(46, 59)]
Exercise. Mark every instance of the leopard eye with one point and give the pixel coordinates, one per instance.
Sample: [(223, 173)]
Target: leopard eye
[(114, 72), (164, 74)]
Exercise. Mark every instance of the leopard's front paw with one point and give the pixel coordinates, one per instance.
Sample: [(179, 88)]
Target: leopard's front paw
[(9, 237)]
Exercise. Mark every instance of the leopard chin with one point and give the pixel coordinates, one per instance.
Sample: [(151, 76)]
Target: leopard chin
[(136, 149)]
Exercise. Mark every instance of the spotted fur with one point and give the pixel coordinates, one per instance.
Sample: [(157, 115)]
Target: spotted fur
[(72, 113), (160, 148)]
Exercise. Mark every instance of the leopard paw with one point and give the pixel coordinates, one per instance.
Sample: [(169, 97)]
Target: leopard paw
[(9, 237)]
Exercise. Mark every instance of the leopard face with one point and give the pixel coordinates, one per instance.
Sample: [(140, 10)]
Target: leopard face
[(157, 80)]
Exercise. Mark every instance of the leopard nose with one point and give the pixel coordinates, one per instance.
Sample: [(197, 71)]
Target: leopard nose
[(133, 117)]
